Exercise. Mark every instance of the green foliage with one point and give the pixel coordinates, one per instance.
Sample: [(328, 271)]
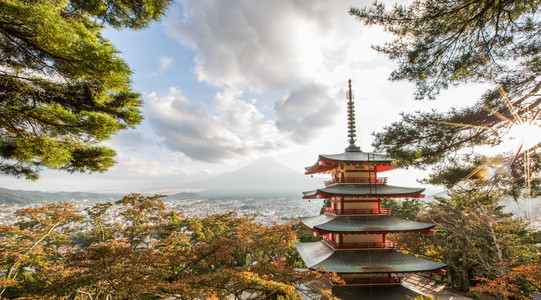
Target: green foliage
[(423, 139), (63, 87), (133, 14), (477, 172), (443, 43), (406, 209), (474, 237), (304, 234), (326, 203)]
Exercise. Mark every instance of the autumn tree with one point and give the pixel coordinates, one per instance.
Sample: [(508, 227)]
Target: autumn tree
[(108, 269), (135, 248), (519, 283), (238, 257), (444, 43), (474, 237), (63, 87), (34, 241), (102, 230), (118, 258), (143, 217)]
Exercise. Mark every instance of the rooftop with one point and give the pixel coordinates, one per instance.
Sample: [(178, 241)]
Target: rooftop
[(383, 190), (363, 224), (326, 162), (320, 255)]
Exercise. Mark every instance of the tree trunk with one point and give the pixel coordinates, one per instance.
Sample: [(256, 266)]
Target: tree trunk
[(465, 273)]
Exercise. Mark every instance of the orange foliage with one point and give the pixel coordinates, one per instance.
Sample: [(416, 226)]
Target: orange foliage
[(151, 252), (518, 282)]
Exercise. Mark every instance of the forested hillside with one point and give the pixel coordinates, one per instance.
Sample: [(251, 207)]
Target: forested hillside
[(135, 248)]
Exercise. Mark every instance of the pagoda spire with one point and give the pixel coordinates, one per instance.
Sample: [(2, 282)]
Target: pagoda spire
[(352, 129)]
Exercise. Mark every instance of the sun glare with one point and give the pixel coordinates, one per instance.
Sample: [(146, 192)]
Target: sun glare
[(526, 134)]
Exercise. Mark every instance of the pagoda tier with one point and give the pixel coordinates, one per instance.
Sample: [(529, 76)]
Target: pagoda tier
[(320, 255), (327, 162), (365, 190), (363, 224)]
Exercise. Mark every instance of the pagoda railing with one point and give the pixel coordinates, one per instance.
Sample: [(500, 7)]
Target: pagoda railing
[(335, 211), (335, 245), (371, 281), (357, 180)]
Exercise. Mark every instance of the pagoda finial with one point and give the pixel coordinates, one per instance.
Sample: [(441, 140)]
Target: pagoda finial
[(351, 121)]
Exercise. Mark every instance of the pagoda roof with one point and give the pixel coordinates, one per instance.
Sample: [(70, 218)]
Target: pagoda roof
[(363, 224), (320, 255), (383, 190), (376, 292), (325, 161)]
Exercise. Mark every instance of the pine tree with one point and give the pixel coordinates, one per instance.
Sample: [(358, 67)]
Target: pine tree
[(442, 43), (63, 87)]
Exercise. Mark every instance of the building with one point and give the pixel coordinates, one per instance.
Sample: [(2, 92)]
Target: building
[(354, 226)]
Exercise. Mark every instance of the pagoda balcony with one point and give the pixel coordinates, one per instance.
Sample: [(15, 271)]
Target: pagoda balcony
[(335, 211), (334, 181), (367, 245), (392, 279)]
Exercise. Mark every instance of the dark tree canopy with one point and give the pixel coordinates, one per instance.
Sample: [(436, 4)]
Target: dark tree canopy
[(63, 87), (442, 43)]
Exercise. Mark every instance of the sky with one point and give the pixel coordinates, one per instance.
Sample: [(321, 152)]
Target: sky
[(227, 82)]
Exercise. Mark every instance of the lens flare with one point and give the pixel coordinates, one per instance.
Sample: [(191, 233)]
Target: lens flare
[(485, 172)]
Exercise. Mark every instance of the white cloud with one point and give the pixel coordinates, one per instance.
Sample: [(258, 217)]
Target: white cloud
[(305, 111), (303, 50), (230, 129), (135, 168), (129, 140), (166, 63), (267, 44)]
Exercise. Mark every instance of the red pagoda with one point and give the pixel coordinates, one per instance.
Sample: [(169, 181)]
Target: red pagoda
[(354, 228)]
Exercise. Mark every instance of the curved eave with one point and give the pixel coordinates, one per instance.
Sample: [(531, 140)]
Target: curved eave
[(363, 224), (327, 162), (319, 255), (381, 190), (310, 194), (317, 168)]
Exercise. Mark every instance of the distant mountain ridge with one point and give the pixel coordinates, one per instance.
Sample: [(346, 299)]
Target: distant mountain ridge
[(263, 178), (20, 197)]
